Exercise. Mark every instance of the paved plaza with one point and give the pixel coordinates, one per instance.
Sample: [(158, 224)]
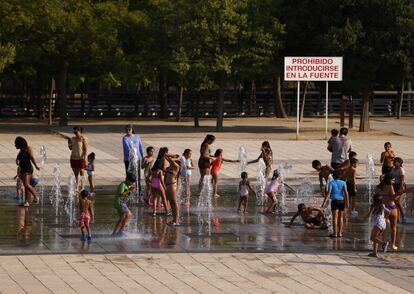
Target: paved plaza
[(251, 253)]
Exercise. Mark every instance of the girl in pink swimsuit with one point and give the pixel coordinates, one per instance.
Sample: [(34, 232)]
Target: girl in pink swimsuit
[(157, 182), (272, 189)]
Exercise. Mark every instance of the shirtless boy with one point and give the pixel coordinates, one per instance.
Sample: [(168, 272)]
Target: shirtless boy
[(85, 207), (324, 173), (350, 179), (310, 219)]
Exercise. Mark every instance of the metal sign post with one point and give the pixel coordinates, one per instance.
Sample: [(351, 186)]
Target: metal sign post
[(326, 111), (297, 112)]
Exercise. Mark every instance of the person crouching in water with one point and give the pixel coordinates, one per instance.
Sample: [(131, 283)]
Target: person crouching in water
[(339, 195), (121, 205), (272, 190), (311, 221), (86, 209), (171, 183)]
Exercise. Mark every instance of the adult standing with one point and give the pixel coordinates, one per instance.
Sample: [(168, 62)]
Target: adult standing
[(78, 145), (129, 142), (24, 161), (205, 157), (340, 147)]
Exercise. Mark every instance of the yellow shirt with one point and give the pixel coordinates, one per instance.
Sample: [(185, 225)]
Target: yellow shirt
[(78, 145)]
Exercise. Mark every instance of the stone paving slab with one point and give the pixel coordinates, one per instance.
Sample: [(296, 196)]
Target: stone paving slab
[(204, 273)]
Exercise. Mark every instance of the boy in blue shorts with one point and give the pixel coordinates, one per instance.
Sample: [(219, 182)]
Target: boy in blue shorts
[(121, 205)]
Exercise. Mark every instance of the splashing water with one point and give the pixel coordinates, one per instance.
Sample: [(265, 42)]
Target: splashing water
[(283, 169), (42, 172), (305, 193), (181, 186), (70, 201), (243, 159), (370, 173), (205, 206), (328, 216), (260, 183), (55, 195), (133, 168)]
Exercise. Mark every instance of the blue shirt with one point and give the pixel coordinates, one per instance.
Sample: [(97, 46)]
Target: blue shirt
[(127, 145), (337, 189)]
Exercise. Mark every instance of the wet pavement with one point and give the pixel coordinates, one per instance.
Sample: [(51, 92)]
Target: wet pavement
[(37, 230)]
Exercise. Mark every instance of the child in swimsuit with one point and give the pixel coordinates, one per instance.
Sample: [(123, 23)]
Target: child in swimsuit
[(158, 188), (325, 172), (244, 188), (378, 212), (216, 167), (85, 207), (121, 205), (398, 173), (350, 178), (147, 164), (266, 154), (171, 184), (272, 189), (310, 220), (186, 171), (387, 158), (90, 169)]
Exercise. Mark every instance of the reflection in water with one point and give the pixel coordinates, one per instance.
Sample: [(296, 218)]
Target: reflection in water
[(26, 224)]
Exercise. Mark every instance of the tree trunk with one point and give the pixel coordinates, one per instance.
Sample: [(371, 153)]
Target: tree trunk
[(302, 105), (180, 104), (252, 100), (342, 111), (63, 75), (196, 110), (351, 112), (364, 120), (220, 101), (279, 108), (400, 100), (163, 96)]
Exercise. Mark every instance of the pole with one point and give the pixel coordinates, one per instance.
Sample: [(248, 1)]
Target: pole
[(326, 111), (297, 112)]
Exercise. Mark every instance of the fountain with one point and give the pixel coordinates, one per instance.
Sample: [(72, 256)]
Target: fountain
[(55, 195), (370, 173), (260, 183), (70, 201), (283, 169), (243, 159), (205, 206), (42, 172), (133, 168), (181, 189), (305, 193)]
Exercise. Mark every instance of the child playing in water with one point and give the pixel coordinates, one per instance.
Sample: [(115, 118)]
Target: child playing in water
[(90, 169), (186, 170), (121, 204), (147, 164), (350, 178), (215, 168), (398, 173), (324, 174), (85, 207), (19, 187), (272, 189), (244, 188), (158, 188), (379, 213), (311, 221), (387, 158)]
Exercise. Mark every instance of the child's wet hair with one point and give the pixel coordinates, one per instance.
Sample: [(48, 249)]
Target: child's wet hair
[(336, 174), (353, 161), (399, 160), (301, 206), (91, 156), (387, 144), (334, 132), (352, 154), (186, 151), (218, 152), (276, 174), (149, 148), (316, 163), (131, 178), (243, 175), (84, 194)]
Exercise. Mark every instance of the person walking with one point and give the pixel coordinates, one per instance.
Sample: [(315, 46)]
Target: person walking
[(339, 147), (78, 145), (130, 142)]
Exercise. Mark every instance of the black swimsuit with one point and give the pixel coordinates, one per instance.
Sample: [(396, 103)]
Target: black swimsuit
[(25, 163)]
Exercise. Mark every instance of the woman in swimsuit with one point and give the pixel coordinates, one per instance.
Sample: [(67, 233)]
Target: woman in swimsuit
[(171, 178), (24, 160), (216, 167), (157, 181), (386, 191), (205, 157), (267, 155)]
